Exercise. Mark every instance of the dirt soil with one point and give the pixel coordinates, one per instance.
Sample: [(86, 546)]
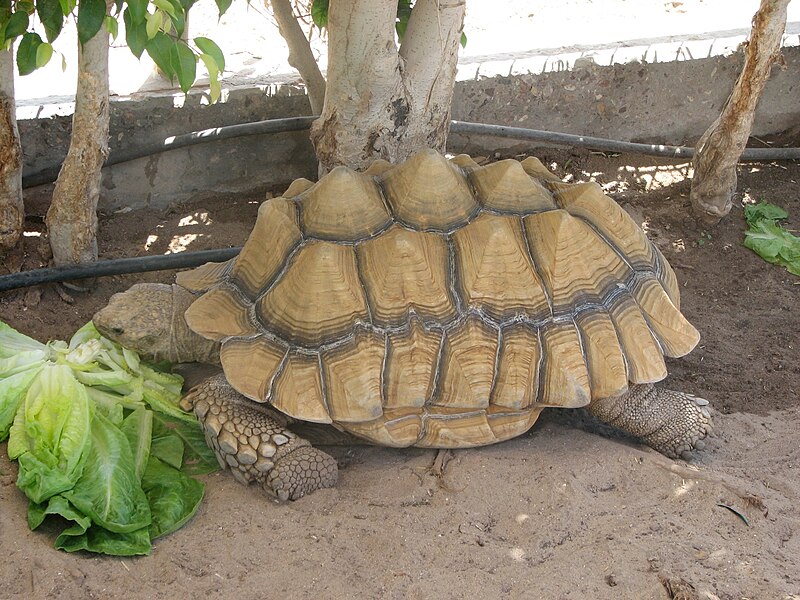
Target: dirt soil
[(570, 510)]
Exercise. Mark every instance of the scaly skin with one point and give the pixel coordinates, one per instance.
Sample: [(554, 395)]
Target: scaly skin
[(253, 442), (674, 423)]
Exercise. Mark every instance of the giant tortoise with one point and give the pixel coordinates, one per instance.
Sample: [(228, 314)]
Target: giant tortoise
[(436, 303)]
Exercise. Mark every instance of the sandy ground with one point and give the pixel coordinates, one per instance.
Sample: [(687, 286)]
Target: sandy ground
[(570, 510)]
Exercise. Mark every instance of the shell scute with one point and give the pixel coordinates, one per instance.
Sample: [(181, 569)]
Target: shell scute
[(343, 206), (406, 271), (318, 298), (495, 271), (442, 203)]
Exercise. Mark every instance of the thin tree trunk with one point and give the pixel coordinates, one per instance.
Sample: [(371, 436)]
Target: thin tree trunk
[(720, 147), (300, 55), (381, 102), (72, 217), (12, 211)]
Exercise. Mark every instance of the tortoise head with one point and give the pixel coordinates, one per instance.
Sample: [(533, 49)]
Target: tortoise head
[(140, 319)]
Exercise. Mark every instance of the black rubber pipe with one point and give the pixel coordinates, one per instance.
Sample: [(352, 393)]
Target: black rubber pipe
[(118, 266), (205, 136), (215, 134)]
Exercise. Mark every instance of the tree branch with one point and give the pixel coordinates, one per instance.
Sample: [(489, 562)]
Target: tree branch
[(300, 55), (720, 147)]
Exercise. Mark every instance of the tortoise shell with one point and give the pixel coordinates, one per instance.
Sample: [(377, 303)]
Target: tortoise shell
[(440, 303)]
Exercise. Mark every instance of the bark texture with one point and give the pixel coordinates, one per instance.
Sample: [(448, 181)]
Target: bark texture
[(72, 217), (720, 147), (381, 101), (300, 55), (12, 211)]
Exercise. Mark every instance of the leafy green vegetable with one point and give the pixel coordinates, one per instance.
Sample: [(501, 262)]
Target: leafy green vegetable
[(768, 239), (100, 441), (174, 497), (108, 491), (50, 434)]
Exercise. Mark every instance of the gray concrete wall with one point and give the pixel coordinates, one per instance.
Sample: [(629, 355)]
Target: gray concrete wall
[(670, 103)]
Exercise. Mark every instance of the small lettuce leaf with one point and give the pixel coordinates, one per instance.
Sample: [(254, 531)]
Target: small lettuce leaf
[(198, 458), (174, 497), (13, 342), (50, 434), (138, 428), (768, 239), (22, 361), (12, 391), (169, 449), (109, 492), (102, 541)]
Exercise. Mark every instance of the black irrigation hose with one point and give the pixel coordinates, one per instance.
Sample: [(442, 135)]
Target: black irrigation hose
[(606, 145), (215, 134), (118, 266)]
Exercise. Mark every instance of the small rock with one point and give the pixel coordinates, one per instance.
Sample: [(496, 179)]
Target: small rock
[(611, 580)]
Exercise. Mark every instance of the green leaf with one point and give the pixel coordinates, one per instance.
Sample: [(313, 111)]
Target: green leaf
[(102, 541), (159, 50), (174, 498), (12, 341), (16, 25), (57, 505), (12, 392), (184, 62), (177, 16), (768, 239), (213, 77), (463, 40), (108, 490), (90, 18), (165, 5), (210, 48), (169, 449), (764, 210), (198, 458), (27, 359), (138, 428), (112, 26), (43, 55), (154, 22), (223, 6), (138, 10), (319, 13), (50, 436), (51, 16), (135, 33)]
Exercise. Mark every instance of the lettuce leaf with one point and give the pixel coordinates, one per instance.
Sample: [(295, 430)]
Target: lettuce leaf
[(100, 440), (109, 492), (50, 434), (769, 240)]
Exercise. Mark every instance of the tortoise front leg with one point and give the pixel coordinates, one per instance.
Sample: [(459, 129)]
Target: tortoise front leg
[(250, 439), (674, 423)]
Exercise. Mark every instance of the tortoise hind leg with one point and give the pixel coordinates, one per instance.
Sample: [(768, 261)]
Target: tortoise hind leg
[(674, 423), (253, 442)]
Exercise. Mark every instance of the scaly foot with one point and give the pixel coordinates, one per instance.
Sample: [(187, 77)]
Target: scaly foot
[(249, 439)]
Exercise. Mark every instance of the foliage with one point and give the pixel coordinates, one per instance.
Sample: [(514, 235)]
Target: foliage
[(154, 26), (99, 440), (319, 14), (770, 240)]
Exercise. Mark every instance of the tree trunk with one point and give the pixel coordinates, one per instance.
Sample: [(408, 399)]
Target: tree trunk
[(72, 217), (12, 211), (720, 147), (300, 55), (382, 102)]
